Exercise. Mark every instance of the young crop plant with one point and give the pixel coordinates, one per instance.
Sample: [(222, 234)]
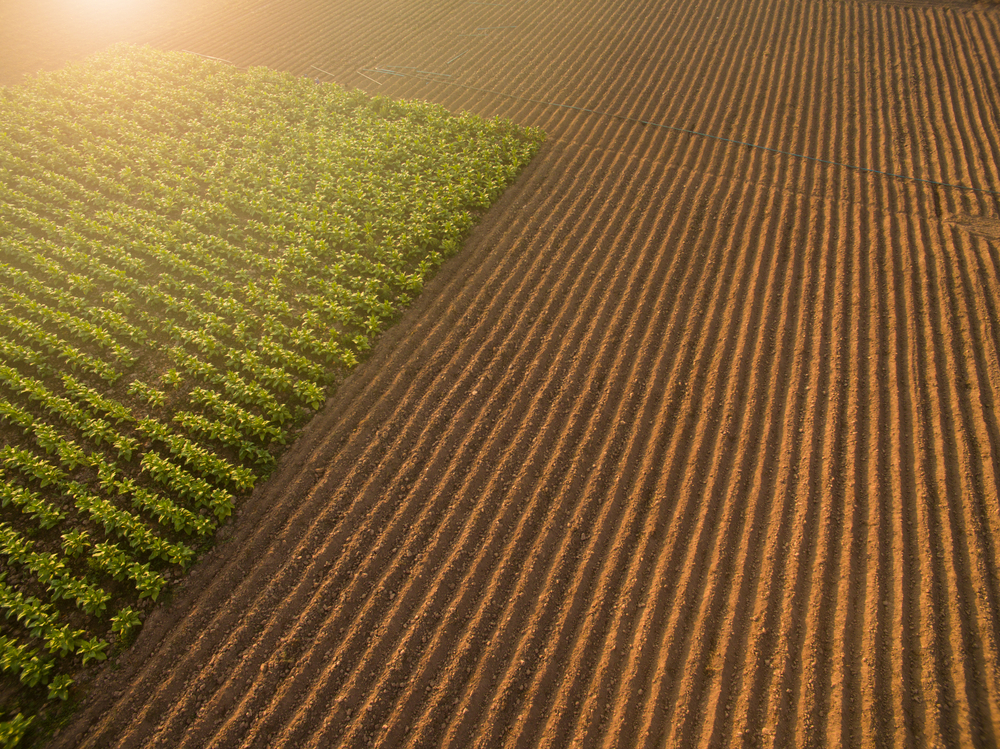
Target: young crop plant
[(192, 256)]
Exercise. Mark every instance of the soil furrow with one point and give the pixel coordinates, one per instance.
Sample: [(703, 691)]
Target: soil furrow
[(610, 667), (763, 645), (573, 343), (770, 366), (640, 335), (729, 331), (974, 547), (855, 542), (796, 686), (961, 89), (944, 116), (932, 667), (871, 636), (648, 466), (577, 585), (950, 534)]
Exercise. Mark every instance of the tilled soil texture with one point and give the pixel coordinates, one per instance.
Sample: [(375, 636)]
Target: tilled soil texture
[(695, 444)]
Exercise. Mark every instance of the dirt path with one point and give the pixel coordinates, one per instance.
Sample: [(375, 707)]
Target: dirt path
[(694, 445)]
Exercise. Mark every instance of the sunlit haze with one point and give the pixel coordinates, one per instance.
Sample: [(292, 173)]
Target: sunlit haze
[(104, 6), (112, 12)]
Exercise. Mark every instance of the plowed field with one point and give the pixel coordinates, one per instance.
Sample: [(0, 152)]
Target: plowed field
[(696, 442)]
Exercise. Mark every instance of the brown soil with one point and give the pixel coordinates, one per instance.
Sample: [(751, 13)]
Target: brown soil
[(695, 444)]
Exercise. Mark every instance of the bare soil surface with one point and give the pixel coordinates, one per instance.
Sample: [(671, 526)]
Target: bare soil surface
[(694, 444)]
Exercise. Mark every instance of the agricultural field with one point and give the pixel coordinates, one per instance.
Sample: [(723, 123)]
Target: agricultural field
[(693, 444), (191, 256)]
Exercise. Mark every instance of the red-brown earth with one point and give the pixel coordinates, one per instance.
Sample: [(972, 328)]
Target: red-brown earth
[(694, 444)]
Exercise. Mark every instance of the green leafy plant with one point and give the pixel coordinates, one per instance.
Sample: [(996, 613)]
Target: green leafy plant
[(189, 262), (125, 621)]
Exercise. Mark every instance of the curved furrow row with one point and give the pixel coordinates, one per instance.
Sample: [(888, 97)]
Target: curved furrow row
[(971, 524), (937, 129), (824, 695), (771, 81), (899, 426), (976, 39), (782, 122), (840, 99), (767, 646), (683, 474), (567, 552), (754, 473), (951, 84), (810, 689), (865, 692), (781, 688), (671, 66), (638, 79), (850, 454), (941, 492), (979, 273), (754, 78), (883, 697), (604, 600), (945, 491), (936, 711), (904, 149), (956, 85), (579, 653), (771, 475), (740, 526)]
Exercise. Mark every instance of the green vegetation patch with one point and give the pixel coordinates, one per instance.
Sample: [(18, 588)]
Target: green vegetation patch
[(190, 257)]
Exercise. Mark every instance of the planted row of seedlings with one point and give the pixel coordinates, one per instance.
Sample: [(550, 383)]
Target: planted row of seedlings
[(190, 257)]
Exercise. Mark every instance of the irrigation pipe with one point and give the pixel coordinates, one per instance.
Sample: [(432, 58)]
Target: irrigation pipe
[(685, 131), (377, 83), (415, 69), (328, 72), (209, 57)]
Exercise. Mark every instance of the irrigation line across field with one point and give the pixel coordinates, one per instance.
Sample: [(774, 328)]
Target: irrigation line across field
[(625, 118), (414, 68), (208, 57)]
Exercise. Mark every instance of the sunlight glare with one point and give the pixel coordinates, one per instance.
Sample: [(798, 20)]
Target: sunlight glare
[(105, 9), (95, 14), (104, 6)]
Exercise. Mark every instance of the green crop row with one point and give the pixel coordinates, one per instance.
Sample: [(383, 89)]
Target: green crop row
[(191, 256)]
